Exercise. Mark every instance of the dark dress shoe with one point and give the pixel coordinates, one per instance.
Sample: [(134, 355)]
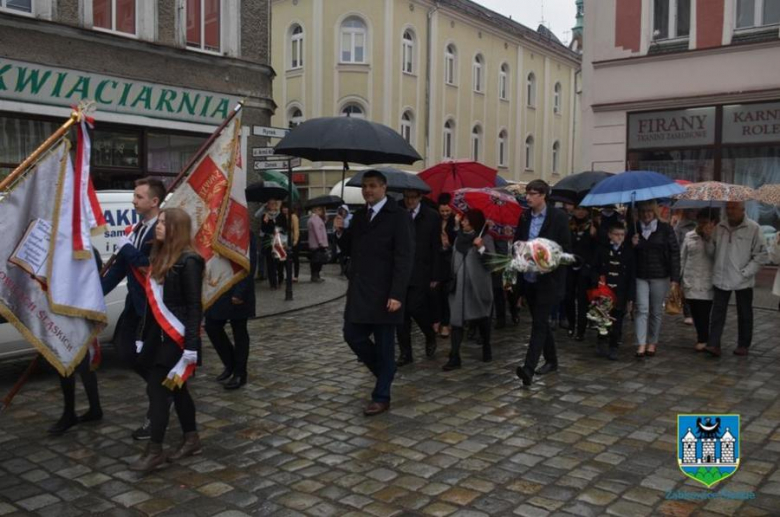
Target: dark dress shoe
[(376, 408), (152, 458), (225, 375), (713, 350), (613, 354), (403, 360), (452, 364), (190, 446), (92, 415), (741, 351), (235, 382), (524, 375), (63, 424), (547, 368)]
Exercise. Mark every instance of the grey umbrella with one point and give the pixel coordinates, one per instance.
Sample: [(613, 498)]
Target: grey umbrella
[(397, 181)]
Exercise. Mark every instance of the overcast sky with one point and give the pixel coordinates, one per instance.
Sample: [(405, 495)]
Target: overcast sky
[(559, 15)]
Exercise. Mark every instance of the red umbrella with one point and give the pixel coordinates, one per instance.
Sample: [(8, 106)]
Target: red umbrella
[(502, 211), (450, 176)]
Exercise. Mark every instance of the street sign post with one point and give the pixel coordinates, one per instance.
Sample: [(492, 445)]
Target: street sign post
[(262, 152), (270, 132), (271, 164)]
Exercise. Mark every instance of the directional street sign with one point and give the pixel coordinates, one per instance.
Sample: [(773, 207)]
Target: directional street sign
[(262, 152), (264, 166), (295, 162), (270, 132)]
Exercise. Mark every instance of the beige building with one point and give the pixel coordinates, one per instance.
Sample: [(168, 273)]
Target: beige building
[(457, 80)]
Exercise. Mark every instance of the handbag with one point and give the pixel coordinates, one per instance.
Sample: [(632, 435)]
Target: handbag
[(674, 302)]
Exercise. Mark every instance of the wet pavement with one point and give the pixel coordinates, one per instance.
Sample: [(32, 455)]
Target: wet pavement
[(597, 438)]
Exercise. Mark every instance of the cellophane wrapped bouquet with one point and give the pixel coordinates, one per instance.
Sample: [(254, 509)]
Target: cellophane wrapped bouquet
[(602, 301), (535, 256)]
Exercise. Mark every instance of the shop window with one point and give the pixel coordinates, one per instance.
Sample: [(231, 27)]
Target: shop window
[(169, 153), (114, 15), (203, 24), (692, 165), (754, 166), (16, 6), (407, 52), (757, 13), (450, 64), (447, 139), (296, 47), (503, 82), (116, 149), (19, 138), (353, 40), (671, 19)]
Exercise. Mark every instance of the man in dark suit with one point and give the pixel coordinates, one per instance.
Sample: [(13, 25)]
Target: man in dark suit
[(426, 228), (379, 244), (542, 291), (132, 253)]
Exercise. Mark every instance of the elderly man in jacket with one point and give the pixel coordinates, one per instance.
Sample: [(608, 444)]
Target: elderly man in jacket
[(739, 252)]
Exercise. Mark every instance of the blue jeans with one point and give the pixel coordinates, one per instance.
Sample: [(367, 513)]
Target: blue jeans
[(377, 355)]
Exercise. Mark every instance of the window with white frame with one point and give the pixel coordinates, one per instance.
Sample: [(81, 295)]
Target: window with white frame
[(447, 139), (529, 153), (407, 125), (671, 19), (476, 143), (557, 99), (114, 15), (17, 6), (407, 52), (353, 40), (204, 18), (530, 90), (354, 110), (450, 64), (757, 13), (503, 141), (503, 82), (296, 47), (556, 157), (294, 117), (479, 73)]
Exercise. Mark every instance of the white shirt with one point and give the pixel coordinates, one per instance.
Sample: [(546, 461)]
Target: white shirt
[(141, 233), (415, 211), (377, 207), (648, 229)]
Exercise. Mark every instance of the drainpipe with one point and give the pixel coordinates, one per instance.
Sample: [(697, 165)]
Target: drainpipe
[(428, 66)]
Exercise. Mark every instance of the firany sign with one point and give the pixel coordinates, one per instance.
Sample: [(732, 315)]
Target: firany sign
[(33, 83), (742, 124)]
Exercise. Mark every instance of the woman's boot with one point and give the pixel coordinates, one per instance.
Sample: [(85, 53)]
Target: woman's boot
[(152, 458), (190, 446)]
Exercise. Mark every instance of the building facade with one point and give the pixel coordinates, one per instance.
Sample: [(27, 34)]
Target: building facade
[(458, 81), (163, 74), (688, 88)]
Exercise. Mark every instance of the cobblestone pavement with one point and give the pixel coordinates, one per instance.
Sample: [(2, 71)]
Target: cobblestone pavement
[(596, 438)]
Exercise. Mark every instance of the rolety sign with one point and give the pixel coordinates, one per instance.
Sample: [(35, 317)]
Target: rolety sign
[(679, 128), (751, 123), (30, 82)]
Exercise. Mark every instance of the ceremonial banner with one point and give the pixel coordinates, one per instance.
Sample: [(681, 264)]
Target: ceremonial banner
[(47, 292), (213, 194)]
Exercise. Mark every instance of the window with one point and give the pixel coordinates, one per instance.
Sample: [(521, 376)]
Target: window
[(529, 153), (479, 81), (203, 24), (447, 140), (502, 148), (503, 82), (294, 117), (530, 90), (19, 6), (476, 143), (353, 40), (557, 99), (407, 122), (671, 19), (353, 110), (296, 47), (756, 13), (556, 157), (168, 153), (450, 63), (114, 15), (407, 52)]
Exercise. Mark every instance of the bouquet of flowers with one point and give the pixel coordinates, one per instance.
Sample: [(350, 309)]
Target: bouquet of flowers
[(534, 256), (602, 300)]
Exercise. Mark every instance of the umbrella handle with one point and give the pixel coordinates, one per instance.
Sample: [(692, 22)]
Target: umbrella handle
[(482, 230)]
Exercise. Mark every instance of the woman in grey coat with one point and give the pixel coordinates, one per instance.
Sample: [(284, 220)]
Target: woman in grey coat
[(696, 274), (471, 300)]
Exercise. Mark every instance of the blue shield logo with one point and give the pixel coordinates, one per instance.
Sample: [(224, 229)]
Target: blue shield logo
[(708, 447)]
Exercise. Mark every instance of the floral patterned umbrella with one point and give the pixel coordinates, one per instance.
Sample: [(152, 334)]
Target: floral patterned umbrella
[(502, 211), (716, 191), (769, 194)]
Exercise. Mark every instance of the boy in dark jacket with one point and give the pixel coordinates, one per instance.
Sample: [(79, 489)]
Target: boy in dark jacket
[(614, 265)]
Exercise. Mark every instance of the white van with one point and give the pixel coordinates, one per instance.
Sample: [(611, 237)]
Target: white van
[(119, 213)]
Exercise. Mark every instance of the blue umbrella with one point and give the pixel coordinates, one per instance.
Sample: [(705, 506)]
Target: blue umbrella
[(632, 186)]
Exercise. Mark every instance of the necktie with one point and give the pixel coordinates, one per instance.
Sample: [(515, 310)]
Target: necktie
[(140, 236), (370, 213)]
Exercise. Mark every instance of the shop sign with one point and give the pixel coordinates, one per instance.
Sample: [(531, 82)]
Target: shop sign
[(664, 129), (39, 84), (751, 123)]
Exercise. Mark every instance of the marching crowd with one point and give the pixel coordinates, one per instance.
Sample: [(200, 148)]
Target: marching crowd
[(411, 262)]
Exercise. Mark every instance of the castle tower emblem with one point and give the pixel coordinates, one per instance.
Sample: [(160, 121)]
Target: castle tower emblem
[(708, 446)]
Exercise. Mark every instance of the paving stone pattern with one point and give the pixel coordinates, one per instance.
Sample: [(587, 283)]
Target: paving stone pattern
[(597, 438)]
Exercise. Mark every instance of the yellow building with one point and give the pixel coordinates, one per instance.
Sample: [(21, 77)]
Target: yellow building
[(457, 80)]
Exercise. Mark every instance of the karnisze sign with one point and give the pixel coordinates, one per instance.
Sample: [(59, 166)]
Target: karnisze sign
[(679, 128), (30, 82), (751, 123)]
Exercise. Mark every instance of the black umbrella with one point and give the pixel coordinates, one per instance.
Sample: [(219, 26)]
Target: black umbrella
[(326, 201), (397, 181), (264, 191), (572, 189)]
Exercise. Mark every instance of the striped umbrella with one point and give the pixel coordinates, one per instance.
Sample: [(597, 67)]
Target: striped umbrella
[(769, 194)]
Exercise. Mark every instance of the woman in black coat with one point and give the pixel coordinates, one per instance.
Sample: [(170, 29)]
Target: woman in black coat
[(235, 306), (583, 245), (449, 231), (170, 354)]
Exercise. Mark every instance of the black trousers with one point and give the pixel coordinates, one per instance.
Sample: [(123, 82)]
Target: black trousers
[(616, 330), (127, 334), (295, 256), (233, 357), (720, 306), (160, 404), (700, 312), (316, 266), (499, 297), (88, 379), (456, 337), (440, 303), (576, 303), (274, 269), (377, 355), (417, 308), (542, 343)]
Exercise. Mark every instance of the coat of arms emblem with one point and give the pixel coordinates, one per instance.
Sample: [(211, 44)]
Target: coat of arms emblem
[(708, 447)]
